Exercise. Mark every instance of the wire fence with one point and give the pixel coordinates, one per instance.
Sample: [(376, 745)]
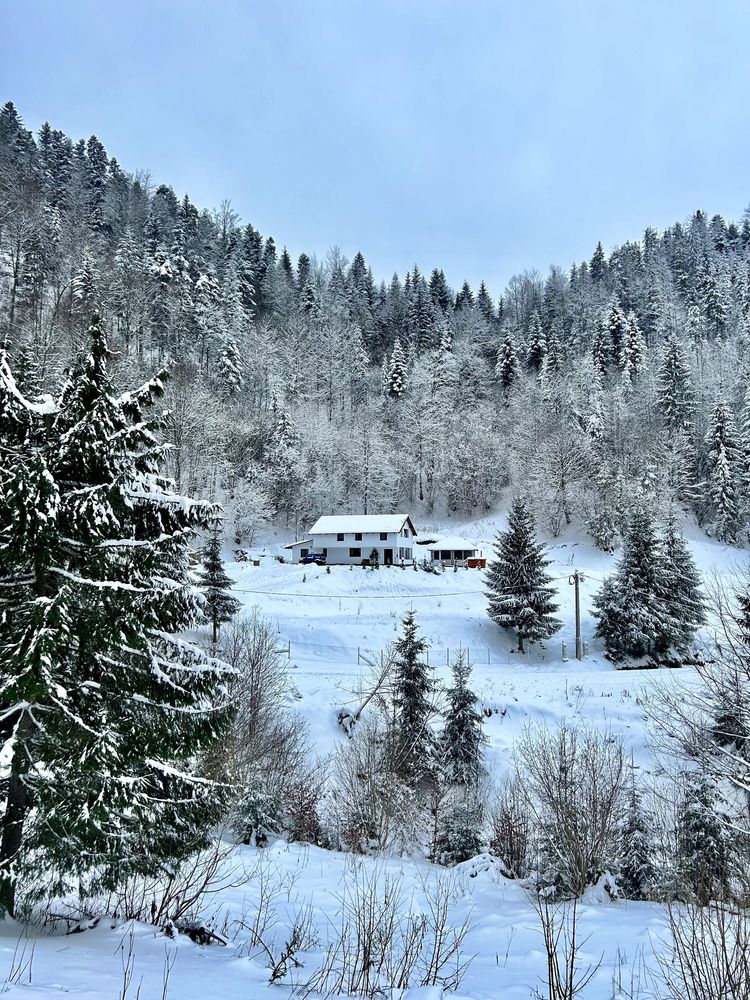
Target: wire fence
[(304, 651)]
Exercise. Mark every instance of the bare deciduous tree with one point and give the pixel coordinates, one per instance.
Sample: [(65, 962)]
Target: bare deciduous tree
[(574, 781)]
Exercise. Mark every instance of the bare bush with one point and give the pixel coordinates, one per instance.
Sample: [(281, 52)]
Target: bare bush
[(574, 781), (511, 832), (369, 806), (565, 978), (382, 943), (265, 754), (708, 954), (176, 899)]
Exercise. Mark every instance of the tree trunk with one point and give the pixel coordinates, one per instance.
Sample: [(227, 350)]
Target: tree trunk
[(17, 806), (520, 643)]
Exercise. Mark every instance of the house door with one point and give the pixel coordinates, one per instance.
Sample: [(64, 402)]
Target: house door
[(387, 557)]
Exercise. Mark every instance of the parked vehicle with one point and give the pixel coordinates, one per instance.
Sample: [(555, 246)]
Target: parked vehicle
[(317, 558)]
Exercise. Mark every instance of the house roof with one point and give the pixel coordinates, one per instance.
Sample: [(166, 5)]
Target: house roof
[(453, 543), (343, 523), (302, 541)]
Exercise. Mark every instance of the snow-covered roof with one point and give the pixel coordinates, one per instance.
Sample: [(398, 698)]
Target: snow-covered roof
[(302, 541), (334, 524), (452, 543)]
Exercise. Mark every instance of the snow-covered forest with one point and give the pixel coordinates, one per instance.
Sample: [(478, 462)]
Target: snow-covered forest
[(236, 774), (305, 387)]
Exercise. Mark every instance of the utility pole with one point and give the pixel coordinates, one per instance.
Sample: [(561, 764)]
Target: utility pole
[(575, 580)]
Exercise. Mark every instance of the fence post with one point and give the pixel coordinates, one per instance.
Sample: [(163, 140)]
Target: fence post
[(447, 656), (358, 657), (488, 657), (565, 652)]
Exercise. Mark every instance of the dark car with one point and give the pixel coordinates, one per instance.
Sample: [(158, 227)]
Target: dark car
[(314, 557)]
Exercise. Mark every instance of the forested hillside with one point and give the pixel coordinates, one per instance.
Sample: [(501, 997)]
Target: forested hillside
[(306, 386)]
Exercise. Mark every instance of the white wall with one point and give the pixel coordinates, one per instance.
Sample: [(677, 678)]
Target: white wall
[(338, 552)]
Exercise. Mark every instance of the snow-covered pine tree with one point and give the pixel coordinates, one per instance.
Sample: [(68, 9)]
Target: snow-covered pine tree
[(702, 842), (600, 351), (107, 707), (459, 832), (413, 740), (213, 582), (673, 387), (695, 326), (744, 445), (519, 590), (723, 463), (462, 737), (633, 350), (684, 600), (508, 368), (631, 608), (396, 377), (231, 378), (637, 874), (536, 344), (617, 325)]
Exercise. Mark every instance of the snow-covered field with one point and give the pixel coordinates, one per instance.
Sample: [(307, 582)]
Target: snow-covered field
[(331, 622)]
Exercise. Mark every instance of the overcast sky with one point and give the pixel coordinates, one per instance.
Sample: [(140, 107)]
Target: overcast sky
[(482, 137)]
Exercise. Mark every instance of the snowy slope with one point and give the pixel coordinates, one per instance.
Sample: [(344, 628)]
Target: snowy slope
[(504, 938), (330, 622)]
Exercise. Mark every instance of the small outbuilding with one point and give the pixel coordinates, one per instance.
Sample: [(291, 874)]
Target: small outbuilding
[(451, 550)]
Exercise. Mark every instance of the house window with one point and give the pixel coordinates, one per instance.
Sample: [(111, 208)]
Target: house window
[(303, 553), (408, 553), (383, 536), (340, 537), (405, 532), (435, 555), (357, 536), (325, 552), (445, 555), (355, 553)]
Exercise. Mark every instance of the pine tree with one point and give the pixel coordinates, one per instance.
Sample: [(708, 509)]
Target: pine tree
[(413, 688), (684, 600), (744, 448), (519, 589), (108, 708), (459, 832), (536, 348), (462, 737), (231, 378), (637, 874), (633, 350), (396, 377), (215, 585), (673, 387), (703, 849), (631, 607), (617, 325), (507, 369), (600, 351), (598, 266), (723, 464)]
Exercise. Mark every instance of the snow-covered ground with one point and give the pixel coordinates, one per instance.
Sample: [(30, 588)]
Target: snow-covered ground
[(504, 938), (331, 622)]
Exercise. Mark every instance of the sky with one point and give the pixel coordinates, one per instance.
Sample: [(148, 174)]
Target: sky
[(482, 137)]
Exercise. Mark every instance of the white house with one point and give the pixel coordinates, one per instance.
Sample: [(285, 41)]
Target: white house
[(349, 539)]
